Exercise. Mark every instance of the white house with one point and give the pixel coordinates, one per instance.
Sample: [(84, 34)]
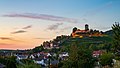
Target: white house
[(32, 56), (41, 62), (64, 54), (19, 57)]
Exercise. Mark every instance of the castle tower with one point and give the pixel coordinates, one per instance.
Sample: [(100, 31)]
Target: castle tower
[(74, 29), (86, 27)]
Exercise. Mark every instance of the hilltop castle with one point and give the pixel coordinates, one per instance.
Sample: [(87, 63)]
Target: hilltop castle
[(85, 33)]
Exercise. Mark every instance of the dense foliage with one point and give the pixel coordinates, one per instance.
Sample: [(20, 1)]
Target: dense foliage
[(9, 62), (106, 59), (79, 57), (116, 36)]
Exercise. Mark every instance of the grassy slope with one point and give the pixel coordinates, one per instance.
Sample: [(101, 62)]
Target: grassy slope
[(88, 40)]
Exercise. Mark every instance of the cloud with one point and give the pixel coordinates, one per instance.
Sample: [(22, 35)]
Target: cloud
[(66, 28), (5, 44), (23, 30), (54, 26), (42, 16), (19, 31), (102, 27), (8, 38), (5, 38), (62, 30), (27, 27), (41, 38)]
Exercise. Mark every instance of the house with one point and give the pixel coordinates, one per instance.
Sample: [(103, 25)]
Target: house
[(63, 55), (31, 56), (54, 64), (38, 54), (6, 53), (48, 54), (40, 60), (19, 57), (97, 53), (2, 66)]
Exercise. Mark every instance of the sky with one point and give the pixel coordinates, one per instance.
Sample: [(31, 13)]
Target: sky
[(25, 24)]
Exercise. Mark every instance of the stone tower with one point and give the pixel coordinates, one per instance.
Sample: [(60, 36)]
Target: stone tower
[(74, 29), (86, 27)]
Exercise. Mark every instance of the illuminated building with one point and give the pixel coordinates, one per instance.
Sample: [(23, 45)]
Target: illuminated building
[(85, 33)]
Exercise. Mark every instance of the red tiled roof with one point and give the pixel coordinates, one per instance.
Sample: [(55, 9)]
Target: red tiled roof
[(97, 52), (81, 31)]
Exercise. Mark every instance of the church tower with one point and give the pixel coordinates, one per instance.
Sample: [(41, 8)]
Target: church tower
[(86, 27)]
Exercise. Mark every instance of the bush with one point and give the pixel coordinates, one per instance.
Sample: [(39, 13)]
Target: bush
[(106, 59)]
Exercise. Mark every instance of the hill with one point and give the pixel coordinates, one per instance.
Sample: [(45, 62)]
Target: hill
[(64, 40), (88, 40), (109, 32)]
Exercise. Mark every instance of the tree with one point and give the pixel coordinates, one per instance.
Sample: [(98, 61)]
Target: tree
[(10, 64), (116, 36), (38, 49), (79, 57)]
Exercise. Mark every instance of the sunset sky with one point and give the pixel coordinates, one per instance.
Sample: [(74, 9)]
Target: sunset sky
[(25, 24)]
